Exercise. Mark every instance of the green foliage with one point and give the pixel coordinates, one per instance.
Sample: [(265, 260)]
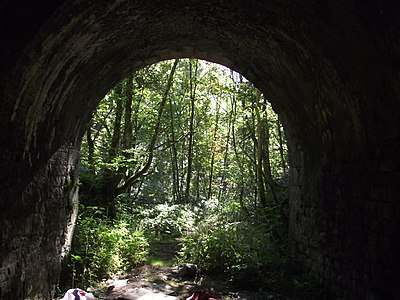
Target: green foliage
[(225, 240), (222, 225), (163, 219), (157, 219), (223, 145), (103, 247), (226, 246)]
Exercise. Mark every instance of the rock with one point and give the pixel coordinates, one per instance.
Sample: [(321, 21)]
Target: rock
[(117, 284), (188, 272)]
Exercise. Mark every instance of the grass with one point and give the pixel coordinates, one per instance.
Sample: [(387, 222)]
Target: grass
[(156, 261)]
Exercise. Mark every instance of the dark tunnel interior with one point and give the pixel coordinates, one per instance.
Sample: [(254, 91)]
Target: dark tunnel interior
[(331, 70)]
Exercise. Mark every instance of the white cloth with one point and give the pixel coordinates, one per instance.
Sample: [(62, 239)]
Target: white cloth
[(77, 294)]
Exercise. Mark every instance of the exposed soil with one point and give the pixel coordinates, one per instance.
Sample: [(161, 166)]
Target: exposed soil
[(164, 282), (176, 283)]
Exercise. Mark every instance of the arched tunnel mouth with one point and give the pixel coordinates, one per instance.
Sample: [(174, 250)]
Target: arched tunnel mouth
[(169, 174), (74, 62), (315, 72)]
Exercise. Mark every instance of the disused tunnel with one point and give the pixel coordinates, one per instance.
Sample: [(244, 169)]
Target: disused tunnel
[(331, 70)]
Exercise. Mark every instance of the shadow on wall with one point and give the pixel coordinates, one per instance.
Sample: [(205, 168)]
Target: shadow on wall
[(325, 66)]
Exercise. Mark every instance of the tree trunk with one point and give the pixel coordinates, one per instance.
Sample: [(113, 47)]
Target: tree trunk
[(263, 152), (193, 85), (135, 177), (90, 143), (259, 142), (281, 150), (116, 136), (135, 114), (127, 144), (222, 185), (174, 156), (210, 180), (109, 180), (128, 116)]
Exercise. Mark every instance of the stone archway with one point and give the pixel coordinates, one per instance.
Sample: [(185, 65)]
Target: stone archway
[(331, 71)]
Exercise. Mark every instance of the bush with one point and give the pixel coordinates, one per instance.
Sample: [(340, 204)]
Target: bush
[(225, 241), (105, 247), (227, 246), (164, 220), (157, 220)]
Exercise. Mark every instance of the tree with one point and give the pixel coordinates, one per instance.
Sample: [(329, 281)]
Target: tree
[(150, 151), (200, 138), (193, 85), (189, 132)]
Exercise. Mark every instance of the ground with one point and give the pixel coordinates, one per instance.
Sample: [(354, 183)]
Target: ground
[(165, 282)]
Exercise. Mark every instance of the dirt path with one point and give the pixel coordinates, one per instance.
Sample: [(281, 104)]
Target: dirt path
[(147, 282), (163, 282)]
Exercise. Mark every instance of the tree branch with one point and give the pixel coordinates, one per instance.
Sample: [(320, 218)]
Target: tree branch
[(131, 180)]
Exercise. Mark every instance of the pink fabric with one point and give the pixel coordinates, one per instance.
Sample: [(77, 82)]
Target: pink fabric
[(202, 295)]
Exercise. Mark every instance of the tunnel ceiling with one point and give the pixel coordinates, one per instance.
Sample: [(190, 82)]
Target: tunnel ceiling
[(298, 54)]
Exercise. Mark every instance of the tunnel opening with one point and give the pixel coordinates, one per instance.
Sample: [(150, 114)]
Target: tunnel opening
[(209, 159), (331, 70)]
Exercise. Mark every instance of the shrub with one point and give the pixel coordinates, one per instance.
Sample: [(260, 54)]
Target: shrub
[(103, 247), (225, 241)]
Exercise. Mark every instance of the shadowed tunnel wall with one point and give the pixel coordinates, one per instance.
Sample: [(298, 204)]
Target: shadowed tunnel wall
[(330, 68)]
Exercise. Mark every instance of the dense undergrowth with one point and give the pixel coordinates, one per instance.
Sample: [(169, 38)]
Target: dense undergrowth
[(186, 161), (218, 238), (250, 253)]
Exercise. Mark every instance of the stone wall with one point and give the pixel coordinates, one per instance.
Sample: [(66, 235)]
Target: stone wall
[(36, 228), (346, 230), (331, 70)]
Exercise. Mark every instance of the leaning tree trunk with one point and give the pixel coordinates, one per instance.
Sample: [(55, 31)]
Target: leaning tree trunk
[(150, 150)]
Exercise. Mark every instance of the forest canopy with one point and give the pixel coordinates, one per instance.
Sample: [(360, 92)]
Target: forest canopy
[(189, 154), (184, 131)]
